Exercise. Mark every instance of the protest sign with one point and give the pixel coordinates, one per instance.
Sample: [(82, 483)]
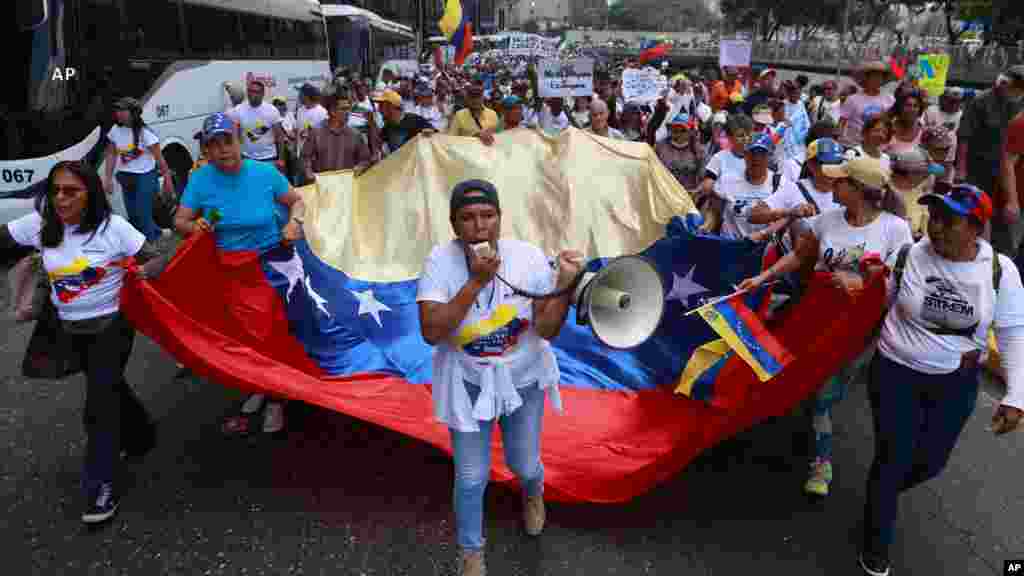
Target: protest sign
[(643, 86), (519, 44), (734, 53), (566, 78), (934, 70)]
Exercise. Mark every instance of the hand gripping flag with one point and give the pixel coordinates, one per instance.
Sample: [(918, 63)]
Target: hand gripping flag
[(333, 321)]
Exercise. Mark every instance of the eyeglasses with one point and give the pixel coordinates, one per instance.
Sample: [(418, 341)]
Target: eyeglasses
[(69, 191)]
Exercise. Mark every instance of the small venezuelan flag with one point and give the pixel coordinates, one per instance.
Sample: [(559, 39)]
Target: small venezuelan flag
[(743, 331), (457, 25)]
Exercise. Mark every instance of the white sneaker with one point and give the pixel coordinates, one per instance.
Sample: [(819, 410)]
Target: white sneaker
[(273, 417), (253, 404)]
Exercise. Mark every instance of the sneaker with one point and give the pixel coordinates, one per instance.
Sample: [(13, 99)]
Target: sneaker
[(253, 404), (534, 515), (874, 565), (103, 507), (472, 563), (820, 478), (273, 417)]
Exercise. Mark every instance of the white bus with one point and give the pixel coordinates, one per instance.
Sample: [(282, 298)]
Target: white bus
[(74, 58)]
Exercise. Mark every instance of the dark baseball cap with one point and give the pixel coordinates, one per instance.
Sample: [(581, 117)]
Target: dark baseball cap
[(473, 192), (963, 199)]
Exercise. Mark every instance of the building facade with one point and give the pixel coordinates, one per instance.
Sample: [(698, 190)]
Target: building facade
[(543, 15)]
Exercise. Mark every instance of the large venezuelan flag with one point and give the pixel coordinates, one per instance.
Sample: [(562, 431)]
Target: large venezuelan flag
[(333, 320), (457, 25)]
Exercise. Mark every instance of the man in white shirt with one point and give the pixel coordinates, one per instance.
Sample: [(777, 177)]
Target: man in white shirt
[(552, 116), (740, 193), (310, 114), (492, 359), (259, 127), (599, 121), (426, 108)]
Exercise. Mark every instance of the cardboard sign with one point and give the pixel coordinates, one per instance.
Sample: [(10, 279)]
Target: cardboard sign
[(565, 78), (643, 86), (734, 53)]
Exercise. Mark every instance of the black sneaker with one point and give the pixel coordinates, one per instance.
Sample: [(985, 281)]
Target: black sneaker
[(874, 565), (103, 507)]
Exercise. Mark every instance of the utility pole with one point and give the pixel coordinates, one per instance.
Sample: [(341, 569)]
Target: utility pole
[(842, 39), (421, 30)]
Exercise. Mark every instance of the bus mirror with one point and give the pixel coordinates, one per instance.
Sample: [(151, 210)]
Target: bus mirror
[(30, 14)]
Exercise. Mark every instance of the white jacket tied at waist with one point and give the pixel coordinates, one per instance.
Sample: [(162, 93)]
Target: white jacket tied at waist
[(532, 362)]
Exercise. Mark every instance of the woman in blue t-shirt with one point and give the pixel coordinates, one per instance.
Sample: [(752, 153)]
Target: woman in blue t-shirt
[(245, 200)]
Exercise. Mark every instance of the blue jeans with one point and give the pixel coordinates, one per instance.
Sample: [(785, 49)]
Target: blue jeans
[(138, 191), (917, 421), (520, 432)]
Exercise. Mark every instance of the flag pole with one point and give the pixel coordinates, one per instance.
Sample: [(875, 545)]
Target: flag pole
[(737, 292)]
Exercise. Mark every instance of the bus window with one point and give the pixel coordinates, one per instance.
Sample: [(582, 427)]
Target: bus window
[(30, 13), (213, 32), (258, 37), (101, 22), (155, 28)]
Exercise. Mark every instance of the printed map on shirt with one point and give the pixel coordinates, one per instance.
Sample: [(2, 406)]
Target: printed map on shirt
[(257, 129), (498, 320), (86, 283), (132, 158), (841, 247), (740, 196), (944, 309)]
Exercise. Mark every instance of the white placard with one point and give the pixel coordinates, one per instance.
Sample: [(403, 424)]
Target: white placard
[(566, 78), (734, 53), (643, 86), (519, 44)]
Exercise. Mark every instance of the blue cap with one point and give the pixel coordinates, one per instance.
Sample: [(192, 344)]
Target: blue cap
[(511, 101), (826, 151), (681, 119), (762, 142), (218, 123), (963, 199)]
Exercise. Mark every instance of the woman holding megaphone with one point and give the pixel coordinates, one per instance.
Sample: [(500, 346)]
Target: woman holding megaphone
[(492, 359)]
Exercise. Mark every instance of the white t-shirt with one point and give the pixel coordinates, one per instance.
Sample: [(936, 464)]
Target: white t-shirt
[(137, 160), (789, 196), (822, 109), (841, 246), (309, 118), (944, 309), (740, 196), (496, 346), (257, 129), (724, 163), (86, 284)]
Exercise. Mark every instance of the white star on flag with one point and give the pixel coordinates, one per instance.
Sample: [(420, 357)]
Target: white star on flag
[(292, 270), (319, 301), (684, 286), (368, 304)]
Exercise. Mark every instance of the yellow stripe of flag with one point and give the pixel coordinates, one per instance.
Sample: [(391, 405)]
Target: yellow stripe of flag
[(723, 329), (451, 19), (702, 359)]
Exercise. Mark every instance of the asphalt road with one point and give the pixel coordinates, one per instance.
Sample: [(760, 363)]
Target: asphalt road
[(337, 496)]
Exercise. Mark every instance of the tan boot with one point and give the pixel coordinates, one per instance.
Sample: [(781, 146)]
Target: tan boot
[(534, 515), (472, 563)]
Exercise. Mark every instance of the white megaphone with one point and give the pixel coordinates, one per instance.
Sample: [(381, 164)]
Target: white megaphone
[(622, 302)]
